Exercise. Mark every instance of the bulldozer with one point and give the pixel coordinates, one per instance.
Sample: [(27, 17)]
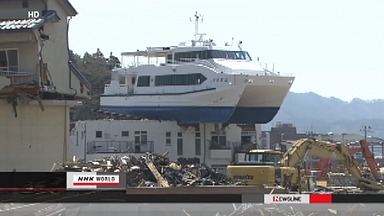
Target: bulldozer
[(271, 168)]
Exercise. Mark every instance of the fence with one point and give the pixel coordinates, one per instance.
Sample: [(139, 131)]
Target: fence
[(95, 147)]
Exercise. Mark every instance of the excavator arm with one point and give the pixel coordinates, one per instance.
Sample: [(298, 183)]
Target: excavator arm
[(297, 154)]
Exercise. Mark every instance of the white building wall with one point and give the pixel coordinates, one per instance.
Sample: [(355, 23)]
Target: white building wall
[(77, 141), (156, 133)]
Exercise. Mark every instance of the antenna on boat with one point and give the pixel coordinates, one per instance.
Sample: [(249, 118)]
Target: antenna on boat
[(197, 17), (240, 45)]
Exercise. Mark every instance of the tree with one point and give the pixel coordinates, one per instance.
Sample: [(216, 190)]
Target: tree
[(97, 69)]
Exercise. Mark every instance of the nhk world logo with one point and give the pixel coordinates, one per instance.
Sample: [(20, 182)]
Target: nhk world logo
[(97, 180), (93, 180), (285, 198)]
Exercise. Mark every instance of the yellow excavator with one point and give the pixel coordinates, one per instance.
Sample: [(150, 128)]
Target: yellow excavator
[(271, 168)]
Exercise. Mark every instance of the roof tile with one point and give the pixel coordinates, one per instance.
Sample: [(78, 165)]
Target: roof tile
[(20, 24), (26, 24)]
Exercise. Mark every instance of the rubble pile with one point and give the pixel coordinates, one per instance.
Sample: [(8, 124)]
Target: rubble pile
[(152, 170)]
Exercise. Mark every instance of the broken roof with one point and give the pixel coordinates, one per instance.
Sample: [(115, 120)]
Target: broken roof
[(79, 75), (27, 24)]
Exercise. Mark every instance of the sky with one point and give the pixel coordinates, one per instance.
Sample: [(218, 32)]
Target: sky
[(334, 48)]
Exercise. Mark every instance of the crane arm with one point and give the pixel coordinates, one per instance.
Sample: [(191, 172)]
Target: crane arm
[(322, 149)]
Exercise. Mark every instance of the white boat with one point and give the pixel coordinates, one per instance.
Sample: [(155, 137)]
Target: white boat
[(196, 82)]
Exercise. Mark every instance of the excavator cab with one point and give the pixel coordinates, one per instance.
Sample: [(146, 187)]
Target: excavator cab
[(262, 157), (261, 167)]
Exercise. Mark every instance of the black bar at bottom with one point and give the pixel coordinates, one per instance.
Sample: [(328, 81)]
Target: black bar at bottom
[(33, 180), (358, 198), (113, 197)]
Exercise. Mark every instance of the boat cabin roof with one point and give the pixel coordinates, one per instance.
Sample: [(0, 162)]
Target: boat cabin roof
[(165, 51), (160, 53)]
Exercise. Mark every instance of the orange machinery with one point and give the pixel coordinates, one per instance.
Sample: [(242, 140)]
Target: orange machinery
[(367, 154)]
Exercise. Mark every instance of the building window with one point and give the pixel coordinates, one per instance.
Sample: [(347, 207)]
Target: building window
[(24, 4), (197, 146), (179, 147), (197, 127), (9, 60), (141, 139), (179, 134), (124, 133), (99, 134), (218, 141), (168, 138)]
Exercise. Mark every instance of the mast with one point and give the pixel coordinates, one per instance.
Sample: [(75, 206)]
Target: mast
[(197, 18)]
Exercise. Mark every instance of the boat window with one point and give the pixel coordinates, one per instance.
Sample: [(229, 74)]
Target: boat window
[(169, 58), (186, 56), (230, 55), (179, 79), (209, 54), (143, 81), (213, 54), (242, 55)]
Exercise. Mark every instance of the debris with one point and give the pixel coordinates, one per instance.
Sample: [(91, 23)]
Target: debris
[(152, 170)]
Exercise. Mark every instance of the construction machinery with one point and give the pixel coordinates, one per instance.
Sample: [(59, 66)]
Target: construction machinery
[(261, 167), (268, 167), (367, 154)]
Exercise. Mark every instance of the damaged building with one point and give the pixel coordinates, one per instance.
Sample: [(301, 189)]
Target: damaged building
[(38, 83), (212, 144)]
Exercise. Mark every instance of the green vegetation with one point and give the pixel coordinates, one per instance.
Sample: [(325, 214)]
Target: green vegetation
[(97, 69)]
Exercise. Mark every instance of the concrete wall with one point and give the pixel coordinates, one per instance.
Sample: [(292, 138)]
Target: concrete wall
[(35, 139)]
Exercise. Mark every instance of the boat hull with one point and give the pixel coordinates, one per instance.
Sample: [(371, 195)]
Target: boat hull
[(253, 115), (259, 103), (183, 115), (246, 103), (208, 106), (196, 115)]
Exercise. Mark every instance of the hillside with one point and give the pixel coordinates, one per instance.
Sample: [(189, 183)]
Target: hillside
[(312, 112)]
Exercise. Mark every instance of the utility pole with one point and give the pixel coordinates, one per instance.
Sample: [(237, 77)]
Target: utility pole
[(367, 129), (343, 139)]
